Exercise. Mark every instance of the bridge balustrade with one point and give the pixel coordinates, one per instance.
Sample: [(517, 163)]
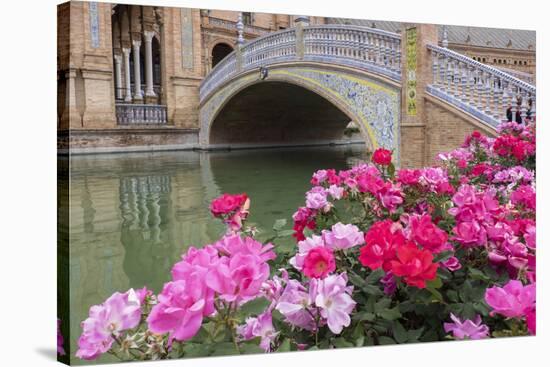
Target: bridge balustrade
[(361, 47), (489, 94), (486, 92)]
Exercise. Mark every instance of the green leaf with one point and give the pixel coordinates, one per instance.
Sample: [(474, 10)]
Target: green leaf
[(391, 170), (442, 256), (434, 284), (277, 315), (196, 350), (251, 346), (251, 349), (223, 349), (254, 307), (390, 314), (478, 274), (399, 333), (452, 295), (435, 294), (375, 276), (406, 306), (279, 224), (356, 280), (414, 335), (342, 343), (372, 290), (481, 308), (382, 305), (364, 316), (385, 340), (285, 233), (370, 304), (285, 346)]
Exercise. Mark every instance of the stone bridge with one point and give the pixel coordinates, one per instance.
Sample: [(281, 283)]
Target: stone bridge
[(304, 85)]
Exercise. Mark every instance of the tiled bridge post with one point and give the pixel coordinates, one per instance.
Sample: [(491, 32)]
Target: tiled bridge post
[(416, 75)]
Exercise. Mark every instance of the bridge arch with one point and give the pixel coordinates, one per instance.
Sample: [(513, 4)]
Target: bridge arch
[(372, 102), (358, 71)]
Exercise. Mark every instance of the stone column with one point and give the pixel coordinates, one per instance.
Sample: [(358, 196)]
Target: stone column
[(118, 77), (127, 86), (149, 92), (138, 97)]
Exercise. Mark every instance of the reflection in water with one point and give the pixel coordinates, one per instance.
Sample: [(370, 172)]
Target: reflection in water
[(133, 215)]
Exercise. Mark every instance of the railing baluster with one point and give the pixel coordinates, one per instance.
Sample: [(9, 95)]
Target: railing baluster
[(488, 90)]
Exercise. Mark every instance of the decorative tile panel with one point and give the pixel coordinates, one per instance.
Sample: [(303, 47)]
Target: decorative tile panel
[(94, 24), (187, 38)]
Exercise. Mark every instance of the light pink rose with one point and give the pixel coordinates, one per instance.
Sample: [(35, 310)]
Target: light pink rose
[(343, 236)]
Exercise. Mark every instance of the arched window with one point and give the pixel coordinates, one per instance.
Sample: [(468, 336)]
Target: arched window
[(220, 51)]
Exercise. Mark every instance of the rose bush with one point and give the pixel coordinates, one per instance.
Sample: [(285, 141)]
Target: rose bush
[(382, 257)]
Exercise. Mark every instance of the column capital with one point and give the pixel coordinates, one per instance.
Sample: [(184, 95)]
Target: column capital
[(117, 57), (136, 43), (148, 36), (126, 51), (304, 19)]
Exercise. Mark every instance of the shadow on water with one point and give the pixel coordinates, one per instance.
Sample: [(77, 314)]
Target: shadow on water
[(133, 215)]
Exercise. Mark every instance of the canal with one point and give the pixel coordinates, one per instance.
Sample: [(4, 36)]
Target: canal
[(134, 214)]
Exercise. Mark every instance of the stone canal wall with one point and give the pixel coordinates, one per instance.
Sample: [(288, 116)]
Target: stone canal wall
[(126, 140)]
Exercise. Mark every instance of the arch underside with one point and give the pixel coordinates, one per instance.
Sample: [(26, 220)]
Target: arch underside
[(300, 104)]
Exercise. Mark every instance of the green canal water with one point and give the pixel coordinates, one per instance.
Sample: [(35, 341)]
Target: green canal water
[(133, 215)]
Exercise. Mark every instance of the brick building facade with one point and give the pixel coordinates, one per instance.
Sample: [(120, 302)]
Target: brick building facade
[(120, 63)]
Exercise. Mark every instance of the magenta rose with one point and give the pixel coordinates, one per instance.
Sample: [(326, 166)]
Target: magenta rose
[(382, 157), (227, 204), (426, 233)]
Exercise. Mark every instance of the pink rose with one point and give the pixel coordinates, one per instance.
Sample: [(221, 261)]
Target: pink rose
[(227, 204), (470, 234), (181, 306), (343, 236), (512, 300), (319, 262)]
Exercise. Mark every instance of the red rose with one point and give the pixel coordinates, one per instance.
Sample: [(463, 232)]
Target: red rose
[(414, 265), (382, 157), (426, 233), (227, 204), (381, 241)]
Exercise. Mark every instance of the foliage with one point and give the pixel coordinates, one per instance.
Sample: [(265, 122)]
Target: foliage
[(383, 256)]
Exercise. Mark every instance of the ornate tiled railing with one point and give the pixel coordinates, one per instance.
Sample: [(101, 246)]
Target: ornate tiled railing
[(361, 47), (526, 77), (487, 93), (373, 49), (134, 114)]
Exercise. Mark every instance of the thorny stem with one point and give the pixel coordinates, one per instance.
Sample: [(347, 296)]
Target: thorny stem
[(231, 326), (316, 318)]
